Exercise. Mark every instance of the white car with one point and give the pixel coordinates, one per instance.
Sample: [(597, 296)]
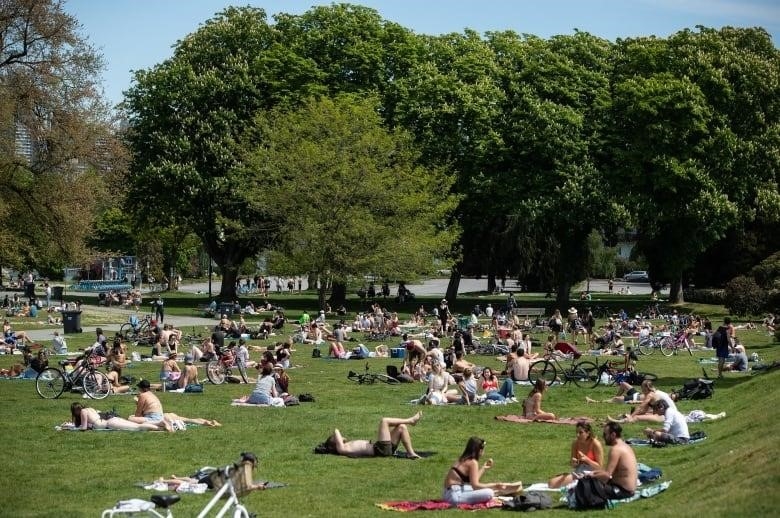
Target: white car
[(637, 276)]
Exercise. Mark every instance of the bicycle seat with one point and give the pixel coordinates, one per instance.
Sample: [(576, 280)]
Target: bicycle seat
[(165, 501)]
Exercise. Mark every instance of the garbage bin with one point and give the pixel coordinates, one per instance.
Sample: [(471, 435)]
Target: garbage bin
[(57, 292), (29, 289), (71, 322)]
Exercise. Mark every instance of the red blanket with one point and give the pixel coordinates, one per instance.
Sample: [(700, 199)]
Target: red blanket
[(434, 505), (563, 420)]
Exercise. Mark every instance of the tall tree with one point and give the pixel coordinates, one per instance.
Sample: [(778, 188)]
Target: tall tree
[(56, 140), (696, 116), (349, 194)]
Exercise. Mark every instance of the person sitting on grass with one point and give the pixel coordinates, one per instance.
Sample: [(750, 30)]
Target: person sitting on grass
[(675, 429), (492, 390), (587, 454), (392, 432), (532, 406), (462, 484), (644, 411)]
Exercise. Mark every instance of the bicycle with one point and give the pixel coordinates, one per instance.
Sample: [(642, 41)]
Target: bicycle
[(218, 370), (369, 378), (671, 344), (137, 331), (609, 374), (493, 349), (133, 507), (647, 344), (51, 382), (582, 373)]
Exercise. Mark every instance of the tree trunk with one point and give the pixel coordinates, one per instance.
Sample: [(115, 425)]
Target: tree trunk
[(321, 291), (676, 291), (562, 295), (338, 294), (229, 275), (491, 282), (452, 287)]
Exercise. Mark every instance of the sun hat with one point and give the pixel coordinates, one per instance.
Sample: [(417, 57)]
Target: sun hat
[(572, 310)]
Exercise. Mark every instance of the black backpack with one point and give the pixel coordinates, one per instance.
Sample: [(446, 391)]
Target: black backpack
[(315, 353), (590, 494), (529, 501), (696, 389), (720, 338)]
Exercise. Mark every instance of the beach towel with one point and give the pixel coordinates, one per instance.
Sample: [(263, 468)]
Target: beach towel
[(237, 402), (696, 437), (562, 420), (184, 486), (435, 505), (643, 492)]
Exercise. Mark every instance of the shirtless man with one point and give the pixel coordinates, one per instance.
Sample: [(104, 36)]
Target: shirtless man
[(517, 364), (620, 476), (190, 372), (148, 408), (392, 431), (415, 352)]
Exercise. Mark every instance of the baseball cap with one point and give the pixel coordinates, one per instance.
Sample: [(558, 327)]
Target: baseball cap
[(144, 384), (188, 358)]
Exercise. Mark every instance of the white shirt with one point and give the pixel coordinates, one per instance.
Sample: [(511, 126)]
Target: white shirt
[(675, 425), (489, 311)]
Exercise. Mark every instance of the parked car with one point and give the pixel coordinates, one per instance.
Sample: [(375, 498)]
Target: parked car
[(636, 276)]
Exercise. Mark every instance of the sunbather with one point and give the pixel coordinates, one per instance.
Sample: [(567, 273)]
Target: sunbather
[(86, 418), (462, 484), (392, 431), (532, 406), (587, 454)]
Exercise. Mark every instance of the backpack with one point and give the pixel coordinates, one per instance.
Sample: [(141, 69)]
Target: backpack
[(590, 493), (696, 389), (315, 353), (720, 339), (528, 501)]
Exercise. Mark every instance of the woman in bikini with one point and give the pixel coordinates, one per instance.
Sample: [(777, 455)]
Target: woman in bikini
[(587, 454), (86, 418), (462, 484), (532, 406)]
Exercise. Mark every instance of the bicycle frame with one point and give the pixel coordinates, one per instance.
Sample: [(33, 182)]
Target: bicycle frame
[(229, 503)]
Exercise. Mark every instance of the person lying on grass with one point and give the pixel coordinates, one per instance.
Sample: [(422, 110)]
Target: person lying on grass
[(392, 431), (148, 409), (462, 483), (87, 418)]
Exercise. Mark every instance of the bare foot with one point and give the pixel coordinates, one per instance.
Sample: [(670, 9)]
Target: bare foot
[(168, 426), (415, 418), (211, 422), (412, 455), (590, 400)]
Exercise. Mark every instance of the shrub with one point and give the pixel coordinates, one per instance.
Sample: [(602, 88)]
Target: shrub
[(767, 272), (705, 296), (743, 296)]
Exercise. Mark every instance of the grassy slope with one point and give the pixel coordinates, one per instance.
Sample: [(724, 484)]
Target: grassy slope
[(79, 474)]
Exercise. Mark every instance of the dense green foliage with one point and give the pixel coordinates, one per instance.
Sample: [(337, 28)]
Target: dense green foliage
[(547, 140)]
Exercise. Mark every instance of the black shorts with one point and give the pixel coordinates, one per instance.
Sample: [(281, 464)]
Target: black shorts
[(383, 449)]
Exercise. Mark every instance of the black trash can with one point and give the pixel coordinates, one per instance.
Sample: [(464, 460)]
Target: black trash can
[(29, 289), (71, 322), (57, 292)]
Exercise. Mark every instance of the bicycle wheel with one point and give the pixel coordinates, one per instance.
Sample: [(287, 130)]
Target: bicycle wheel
[(240, 512), (127, 331), (355, 377), (96, 385), (215, 372), (384, 378), (585, 374), (543, 370), (50, 383), (667, 346), (645, 347)]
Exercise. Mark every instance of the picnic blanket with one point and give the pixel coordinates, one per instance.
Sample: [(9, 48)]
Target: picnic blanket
[(237, 402), (696, 437), (435, 505), (643, 492), (183, 486), (562, 420), (178, 426)]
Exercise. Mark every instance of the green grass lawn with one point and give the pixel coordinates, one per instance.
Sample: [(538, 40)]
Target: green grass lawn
[(49, 473)]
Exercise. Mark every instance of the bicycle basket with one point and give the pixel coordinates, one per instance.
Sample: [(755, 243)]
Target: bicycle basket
[(240, 476)]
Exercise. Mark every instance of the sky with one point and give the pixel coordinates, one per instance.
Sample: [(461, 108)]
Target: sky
[(138, 34)]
